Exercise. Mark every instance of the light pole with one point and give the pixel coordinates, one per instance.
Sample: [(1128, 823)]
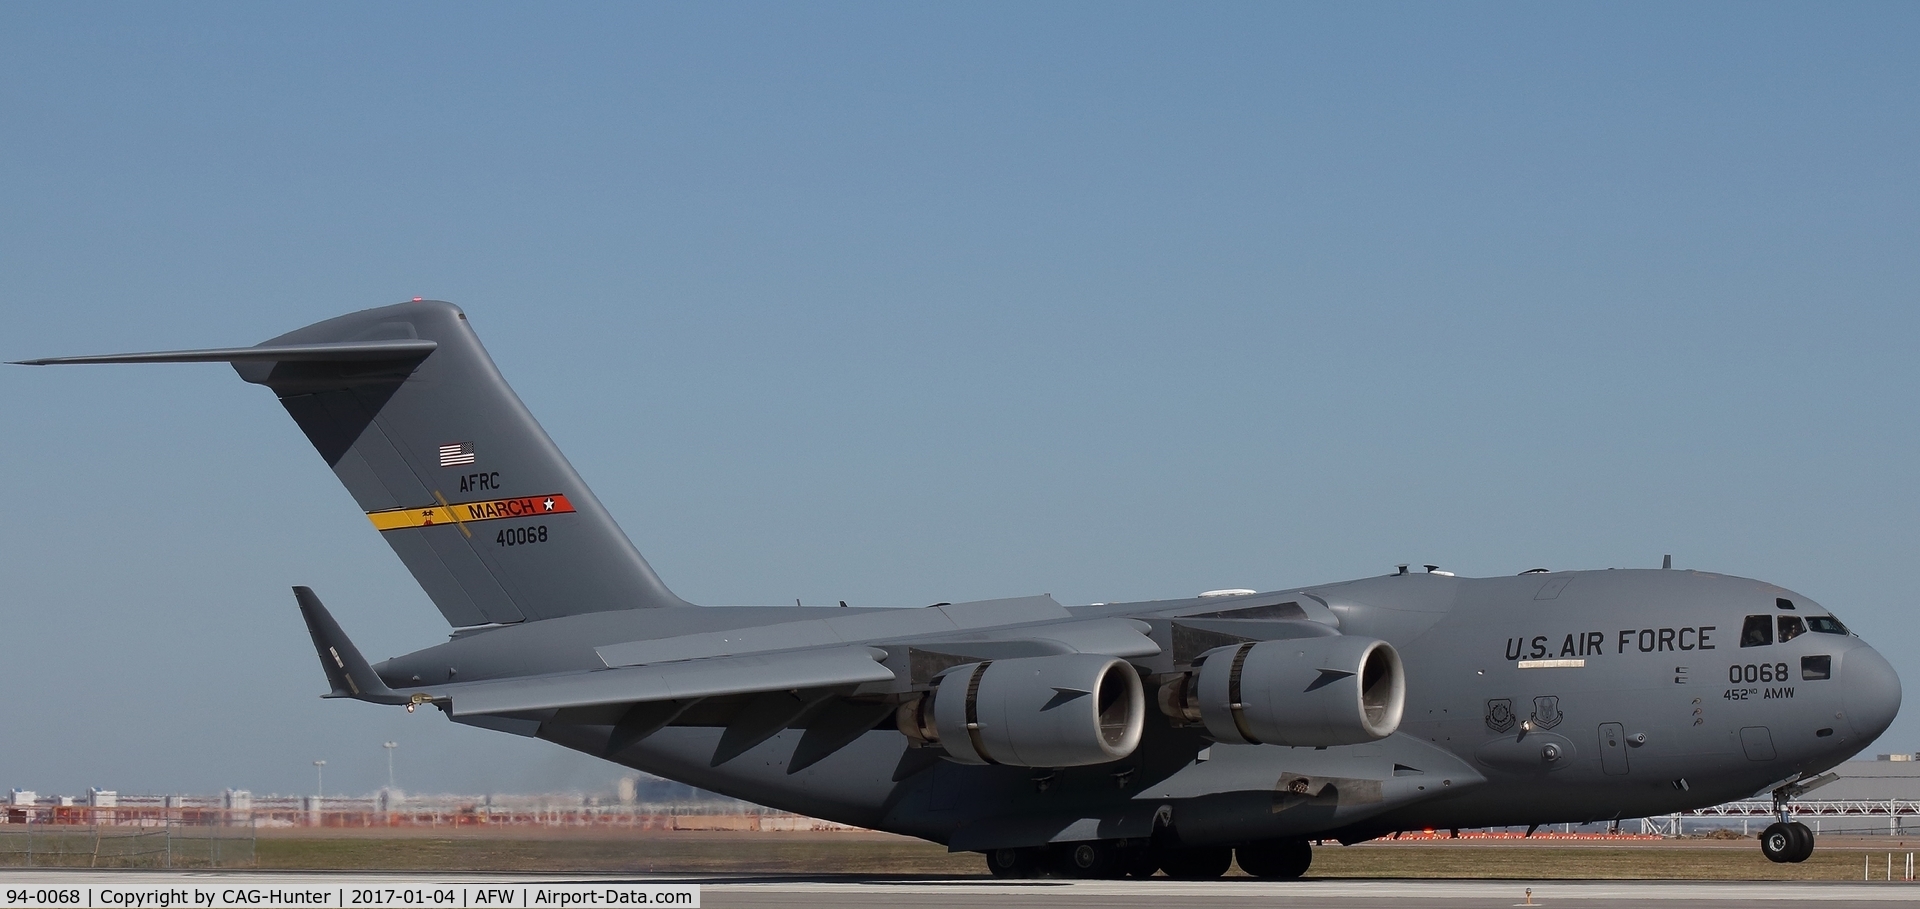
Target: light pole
[(389, 746), (319, 779)]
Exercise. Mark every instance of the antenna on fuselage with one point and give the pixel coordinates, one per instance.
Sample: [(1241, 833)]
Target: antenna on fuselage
[(1667, 561)]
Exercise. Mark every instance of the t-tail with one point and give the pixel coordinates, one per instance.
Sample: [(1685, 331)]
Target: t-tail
[(414, 418)]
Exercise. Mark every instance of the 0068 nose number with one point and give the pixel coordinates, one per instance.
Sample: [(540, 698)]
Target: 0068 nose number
[(1758, 672)]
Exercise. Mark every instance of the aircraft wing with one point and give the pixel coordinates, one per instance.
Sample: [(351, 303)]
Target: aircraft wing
[(680, 680), (813, 654)]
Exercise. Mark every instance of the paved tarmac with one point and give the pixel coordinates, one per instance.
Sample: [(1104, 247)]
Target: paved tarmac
[(831, 892), (1337, 894)]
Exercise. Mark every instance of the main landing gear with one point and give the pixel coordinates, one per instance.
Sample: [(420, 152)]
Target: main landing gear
[(1197, 863), (1014, 862), (1280, 859), (1092, 860)]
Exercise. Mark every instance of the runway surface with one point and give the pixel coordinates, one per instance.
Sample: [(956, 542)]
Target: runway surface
[(1339, 894), (835, 892)]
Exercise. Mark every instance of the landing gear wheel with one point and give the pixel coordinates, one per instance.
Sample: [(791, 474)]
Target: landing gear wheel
[(1141, 862), (1803, 842), (1013, 862), (1281, 860), (1093, 860), (1779, 843), (1196, 864)]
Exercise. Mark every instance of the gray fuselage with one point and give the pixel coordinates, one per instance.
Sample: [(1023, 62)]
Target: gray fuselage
[(1541, 698)]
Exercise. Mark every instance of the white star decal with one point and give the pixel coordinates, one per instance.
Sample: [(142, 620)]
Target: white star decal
[(549, 504)]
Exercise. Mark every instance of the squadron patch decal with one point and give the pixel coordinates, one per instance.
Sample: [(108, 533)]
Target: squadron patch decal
[(457, 512), (1500, 714), (1546, 712)]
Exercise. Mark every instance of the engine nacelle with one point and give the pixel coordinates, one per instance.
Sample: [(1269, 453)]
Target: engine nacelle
[(1053, 711), (1339, 690)]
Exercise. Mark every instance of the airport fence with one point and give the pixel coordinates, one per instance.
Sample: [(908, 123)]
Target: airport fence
[(87, 837), (1869, 817), (47, 826)]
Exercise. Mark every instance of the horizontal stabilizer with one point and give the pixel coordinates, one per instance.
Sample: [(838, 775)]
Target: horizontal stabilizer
[(747, 674), (282, 353), (347, 671)]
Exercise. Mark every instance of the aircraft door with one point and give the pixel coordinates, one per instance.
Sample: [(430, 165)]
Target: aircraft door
[(1613, 749)]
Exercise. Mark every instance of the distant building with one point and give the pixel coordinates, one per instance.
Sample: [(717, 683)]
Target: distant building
[(1891, 777)]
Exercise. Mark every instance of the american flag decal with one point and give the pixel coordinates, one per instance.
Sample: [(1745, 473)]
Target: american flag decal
[(455, 454)]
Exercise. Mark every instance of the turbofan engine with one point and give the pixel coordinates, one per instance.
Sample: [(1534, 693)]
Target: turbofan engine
[(1338, 690), (1052, 711)]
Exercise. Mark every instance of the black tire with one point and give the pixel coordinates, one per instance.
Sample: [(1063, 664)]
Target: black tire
[(1778, 842), (1278, 860), (1141, 862), (1803, 842), (1092, 860), (1013, 863), (1196, 864)]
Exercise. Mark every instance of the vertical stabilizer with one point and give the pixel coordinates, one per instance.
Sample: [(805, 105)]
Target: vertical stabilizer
[(452, 469), (456, 473), (413, 417)]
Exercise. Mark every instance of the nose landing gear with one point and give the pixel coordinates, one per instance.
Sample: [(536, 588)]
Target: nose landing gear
[(1786, 840)]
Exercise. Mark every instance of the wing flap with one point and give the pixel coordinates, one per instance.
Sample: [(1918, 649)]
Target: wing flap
[(1114, 637), (746, 674)]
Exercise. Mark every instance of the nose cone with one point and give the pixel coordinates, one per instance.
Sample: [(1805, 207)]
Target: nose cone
[(1870, 692)]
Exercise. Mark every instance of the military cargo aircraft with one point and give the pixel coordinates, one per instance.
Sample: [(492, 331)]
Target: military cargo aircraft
[(1100, 740)]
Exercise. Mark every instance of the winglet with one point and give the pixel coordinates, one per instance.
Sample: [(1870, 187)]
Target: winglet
[(347, 671)]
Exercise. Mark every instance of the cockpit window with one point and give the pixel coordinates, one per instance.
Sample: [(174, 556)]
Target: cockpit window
[(1757, 632), (1825, 624), (1815, 668), (1790, 628), (1782, 603)]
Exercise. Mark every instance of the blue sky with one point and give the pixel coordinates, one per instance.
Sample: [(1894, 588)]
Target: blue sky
[(898, 304)]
